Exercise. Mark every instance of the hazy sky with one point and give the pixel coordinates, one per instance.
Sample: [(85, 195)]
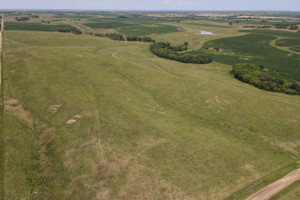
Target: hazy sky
[(291, 5)]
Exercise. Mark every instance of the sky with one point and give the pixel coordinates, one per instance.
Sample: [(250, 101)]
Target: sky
[(283, 5)]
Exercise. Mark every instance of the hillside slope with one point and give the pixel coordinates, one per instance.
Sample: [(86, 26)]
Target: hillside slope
[(92, 118)]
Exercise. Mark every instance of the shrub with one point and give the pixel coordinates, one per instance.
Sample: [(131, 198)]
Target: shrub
[(113, 36), (70, 30), (259, 77), (165, 50)]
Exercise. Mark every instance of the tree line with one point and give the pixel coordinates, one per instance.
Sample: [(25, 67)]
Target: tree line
[(266, 26), (140, 39), (113, 36), (260, 78), (70, 30), (162, 49), (286, 26), (27, 18), (120, 37), (165, 50)]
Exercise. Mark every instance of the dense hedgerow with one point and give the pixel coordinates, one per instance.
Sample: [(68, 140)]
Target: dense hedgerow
[(120, 37), (259, 77), (70, 30), (141, 39), (165, 50)]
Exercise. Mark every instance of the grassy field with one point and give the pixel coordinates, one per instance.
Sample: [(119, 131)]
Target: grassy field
[(35, 26), (91, 118), (255, 48)]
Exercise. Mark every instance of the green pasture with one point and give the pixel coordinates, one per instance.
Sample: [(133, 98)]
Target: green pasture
[(91, 118), (26, 26)]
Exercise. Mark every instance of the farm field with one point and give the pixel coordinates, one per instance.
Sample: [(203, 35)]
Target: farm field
[(88, 117), (256, 48)]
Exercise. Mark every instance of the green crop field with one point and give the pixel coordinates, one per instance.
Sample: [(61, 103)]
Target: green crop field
[(255, 48), (135, 26), (293, 44), (209, 25), (34, 26), (107, 25), (295, 49), (149, 30), (88, 117), (288, 42), (279, 33)]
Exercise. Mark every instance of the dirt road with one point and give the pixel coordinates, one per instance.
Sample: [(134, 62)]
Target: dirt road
[(274, 188), (2, 27)]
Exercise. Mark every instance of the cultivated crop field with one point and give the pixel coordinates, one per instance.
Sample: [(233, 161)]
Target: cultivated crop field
[(88, 117), (256, 48)]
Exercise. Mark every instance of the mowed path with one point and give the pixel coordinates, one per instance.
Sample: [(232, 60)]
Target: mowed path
[(276, 187), (287, 49)]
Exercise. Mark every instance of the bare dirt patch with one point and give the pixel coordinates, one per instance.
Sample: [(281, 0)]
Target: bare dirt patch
[(292, 121), (54, 108), (71, 121), (15, 107), (217, 99), (226, 101), (77, 116), (74, 119)]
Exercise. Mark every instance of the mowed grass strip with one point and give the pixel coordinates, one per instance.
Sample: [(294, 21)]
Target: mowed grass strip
[(89, 117), (35, 26)]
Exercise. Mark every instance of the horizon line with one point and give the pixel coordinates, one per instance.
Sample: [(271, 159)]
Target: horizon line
[(137, 10)]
